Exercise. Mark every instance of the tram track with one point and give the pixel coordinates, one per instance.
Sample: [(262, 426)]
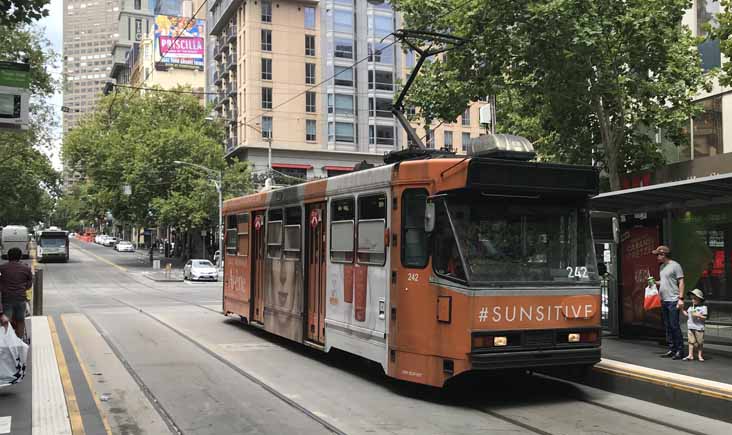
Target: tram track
[(523, 423)]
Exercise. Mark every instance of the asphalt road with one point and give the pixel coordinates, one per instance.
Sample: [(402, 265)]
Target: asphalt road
[(152, 357)]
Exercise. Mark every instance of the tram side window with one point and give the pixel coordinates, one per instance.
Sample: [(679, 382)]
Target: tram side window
[(274, 233), (231, 235), (371, 227), (414, 246), (242, 221), (343, 215), (293, 220)]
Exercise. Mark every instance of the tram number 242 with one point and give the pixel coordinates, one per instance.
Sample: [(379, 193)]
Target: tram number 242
[(576, 272)]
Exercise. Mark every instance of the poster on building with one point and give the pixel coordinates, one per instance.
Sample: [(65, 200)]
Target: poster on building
[(637, 263), (179, 40)]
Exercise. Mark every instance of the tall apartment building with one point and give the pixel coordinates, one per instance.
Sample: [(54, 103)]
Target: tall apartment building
[(89, 29), (135, 20), (289, 72)]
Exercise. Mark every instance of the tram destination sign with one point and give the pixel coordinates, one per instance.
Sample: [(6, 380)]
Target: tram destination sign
[(518, 177)]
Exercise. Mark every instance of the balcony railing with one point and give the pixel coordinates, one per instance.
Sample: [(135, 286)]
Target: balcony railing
[(231, 143), (217, 52), (233, 116), (231, 34), (216, 78), (231, 61), (231, 88)]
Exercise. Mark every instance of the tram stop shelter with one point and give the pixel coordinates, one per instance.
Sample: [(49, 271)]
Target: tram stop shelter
[(694, 218)]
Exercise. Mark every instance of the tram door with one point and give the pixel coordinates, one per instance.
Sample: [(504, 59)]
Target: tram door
[(316, 277), (258, 270)]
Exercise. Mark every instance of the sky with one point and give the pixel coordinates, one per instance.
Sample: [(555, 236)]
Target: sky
[(53, 29)]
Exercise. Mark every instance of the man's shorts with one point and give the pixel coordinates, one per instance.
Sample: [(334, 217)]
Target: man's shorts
[(696, 338), (14, 311)]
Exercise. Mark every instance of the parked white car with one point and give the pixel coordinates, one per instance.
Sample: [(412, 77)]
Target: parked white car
[(124, 246), (200, 270), (109, 241)]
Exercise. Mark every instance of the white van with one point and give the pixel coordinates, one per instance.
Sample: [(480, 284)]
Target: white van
[(14, 236)]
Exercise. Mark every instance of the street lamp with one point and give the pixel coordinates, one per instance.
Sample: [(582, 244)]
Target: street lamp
[(218, 183)]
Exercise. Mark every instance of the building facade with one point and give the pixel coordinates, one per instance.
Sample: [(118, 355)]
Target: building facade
[(89, 29), (135, 20), (314, 82)]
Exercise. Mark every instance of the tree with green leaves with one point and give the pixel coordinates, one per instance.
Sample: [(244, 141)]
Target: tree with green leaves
[(22, 11), (126, 152), (585, 80), (28, 182), (723, 32)]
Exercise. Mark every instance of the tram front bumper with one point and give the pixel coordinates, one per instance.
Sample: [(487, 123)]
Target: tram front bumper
[(535, 358)]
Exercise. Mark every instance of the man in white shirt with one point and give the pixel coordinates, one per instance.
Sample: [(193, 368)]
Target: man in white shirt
[(671, 290)]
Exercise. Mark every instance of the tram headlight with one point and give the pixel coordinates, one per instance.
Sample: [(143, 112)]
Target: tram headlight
[(500, 341), (573, 338)]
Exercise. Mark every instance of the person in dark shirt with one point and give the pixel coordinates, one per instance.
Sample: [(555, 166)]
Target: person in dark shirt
[(15, 279)]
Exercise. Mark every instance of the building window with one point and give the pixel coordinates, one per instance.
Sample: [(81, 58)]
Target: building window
[(409, 58), (310, 102), (309, 45), (381, 53), (266, 69), (340, 132), (706, 15), (448, 139), (381, 25), (266, 98), (138, 30), (310, 130), (266, 40), (343, 21), (344, 48), (708, 129), (309, 18), (266, 11), (343, 76), (267, 127), (381, 134), (340, 104), (466, 116), (466, 141), (310, 73), (382, 80), (380, 107), (138, 5)]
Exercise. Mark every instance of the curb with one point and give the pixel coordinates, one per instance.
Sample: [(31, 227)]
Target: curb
[(707, 398), (157, 278)]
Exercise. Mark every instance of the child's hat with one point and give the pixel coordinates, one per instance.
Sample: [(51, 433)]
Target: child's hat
[(698, 293)]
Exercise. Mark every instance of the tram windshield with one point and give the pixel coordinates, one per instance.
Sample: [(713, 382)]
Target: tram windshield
[(510, 241)]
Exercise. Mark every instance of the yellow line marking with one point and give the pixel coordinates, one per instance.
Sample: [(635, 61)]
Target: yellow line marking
[(664, 382), (89, 380), (103, 260), (77, 425)]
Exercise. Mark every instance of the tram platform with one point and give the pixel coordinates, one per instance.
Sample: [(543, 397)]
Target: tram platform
[(635, 368), (37, 405)]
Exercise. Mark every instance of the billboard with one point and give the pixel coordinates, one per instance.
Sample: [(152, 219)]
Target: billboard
[(179, 40)]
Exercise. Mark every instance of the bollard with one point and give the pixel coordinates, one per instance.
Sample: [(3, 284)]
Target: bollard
[(38, 293)]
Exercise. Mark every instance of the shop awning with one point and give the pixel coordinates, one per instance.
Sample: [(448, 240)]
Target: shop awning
[(697, 192), (291, 166), (338, 168)]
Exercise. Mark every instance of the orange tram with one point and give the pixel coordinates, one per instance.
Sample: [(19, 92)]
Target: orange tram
[(431, 266)]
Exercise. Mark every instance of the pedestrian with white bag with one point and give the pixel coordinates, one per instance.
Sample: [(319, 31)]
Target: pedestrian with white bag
[(13, 354)]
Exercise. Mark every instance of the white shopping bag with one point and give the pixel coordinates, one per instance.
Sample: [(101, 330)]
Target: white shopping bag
[(13, 357)]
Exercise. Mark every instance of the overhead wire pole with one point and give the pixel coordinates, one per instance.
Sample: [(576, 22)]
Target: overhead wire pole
[(218, 182)]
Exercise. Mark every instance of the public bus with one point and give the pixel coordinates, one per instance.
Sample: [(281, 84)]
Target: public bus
[(52, 244), (14, 236), (431, 266)]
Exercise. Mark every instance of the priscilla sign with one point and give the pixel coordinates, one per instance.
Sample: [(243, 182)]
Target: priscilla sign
[(180, 40)]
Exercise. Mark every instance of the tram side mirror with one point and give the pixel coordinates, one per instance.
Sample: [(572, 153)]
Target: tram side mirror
[(429, 217)]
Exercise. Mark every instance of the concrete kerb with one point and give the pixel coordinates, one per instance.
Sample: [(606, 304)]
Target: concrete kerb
[(707, 398), (162, 276)]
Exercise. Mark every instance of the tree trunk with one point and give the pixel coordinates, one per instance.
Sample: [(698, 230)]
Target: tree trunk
[(609, 139)]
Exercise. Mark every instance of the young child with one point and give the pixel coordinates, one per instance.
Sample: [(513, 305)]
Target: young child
[(697, 314)]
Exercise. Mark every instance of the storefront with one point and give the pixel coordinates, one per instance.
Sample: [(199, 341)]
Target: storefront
[(694, 218)]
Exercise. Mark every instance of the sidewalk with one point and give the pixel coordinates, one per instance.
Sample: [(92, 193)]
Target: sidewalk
[(635, 368)]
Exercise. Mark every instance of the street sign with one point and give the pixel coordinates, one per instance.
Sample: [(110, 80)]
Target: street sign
[(258, 222), (315, 218), (14, 95)]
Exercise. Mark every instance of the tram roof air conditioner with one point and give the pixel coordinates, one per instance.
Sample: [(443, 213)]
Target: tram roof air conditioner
[(501, 146)]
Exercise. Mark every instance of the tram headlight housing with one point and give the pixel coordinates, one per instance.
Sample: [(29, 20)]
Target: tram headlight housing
[(573, 337)]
